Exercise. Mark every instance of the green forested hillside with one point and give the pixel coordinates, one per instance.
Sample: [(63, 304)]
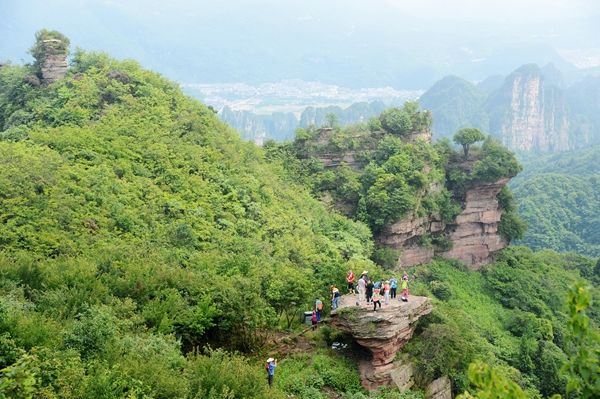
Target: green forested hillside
[(134, 224), (147, 252), (455, 103), (511, 315), (559, 197)]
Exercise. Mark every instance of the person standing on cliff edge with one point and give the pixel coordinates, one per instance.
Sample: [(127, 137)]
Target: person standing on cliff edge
[(318, 308), (361, 285), (393, 287), (404, 297), (335, 297), (350, 281), (369, 291), (376, 298)]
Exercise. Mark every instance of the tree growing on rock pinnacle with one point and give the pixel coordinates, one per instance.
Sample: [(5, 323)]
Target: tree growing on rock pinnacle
[(467, 137)]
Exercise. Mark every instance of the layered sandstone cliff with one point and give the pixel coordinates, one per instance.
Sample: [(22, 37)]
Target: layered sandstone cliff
[(54, 64), (473, 235), (383, 333)]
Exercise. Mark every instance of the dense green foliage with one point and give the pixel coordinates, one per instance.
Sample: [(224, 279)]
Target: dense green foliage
[(492, 162), (583, 366), (559, 197), (491, 384), (135, 227), (468, 136), (406, 120), (372, 174), (137, 232), (510, 316)]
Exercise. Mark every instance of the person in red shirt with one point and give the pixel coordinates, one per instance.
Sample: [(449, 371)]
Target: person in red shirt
[(350, 280)]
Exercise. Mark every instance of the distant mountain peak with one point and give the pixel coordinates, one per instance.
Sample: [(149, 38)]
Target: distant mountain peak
[(531, 109)]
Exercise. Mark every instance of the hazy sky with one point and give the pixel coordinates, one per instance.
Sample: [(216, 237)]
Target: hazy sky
[(407, 44)]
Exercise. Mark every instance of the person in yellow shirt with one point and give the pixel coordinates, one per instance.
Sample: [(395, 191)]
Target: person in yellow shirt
[(404, 286)]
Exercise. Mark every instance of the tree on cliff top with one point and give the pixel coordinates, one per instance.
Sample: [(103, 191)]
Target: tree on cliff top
[(467, 137), (48, 42), (406, 120)]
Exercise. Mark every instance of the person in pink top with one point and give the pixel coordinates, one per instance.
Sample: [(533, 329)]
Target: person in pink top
[(386, 292), (376, 299)]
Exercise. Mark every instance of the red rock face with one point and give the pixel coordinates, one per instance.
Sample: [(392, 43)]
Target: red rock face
[(383, 332), (404, 235), (54, 68), (474, 233)]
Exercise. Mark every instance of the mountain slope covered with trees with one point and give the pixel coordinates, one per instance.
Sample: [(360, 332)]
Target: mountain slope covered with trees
[(559, 197), (137, 232), (135, 226)]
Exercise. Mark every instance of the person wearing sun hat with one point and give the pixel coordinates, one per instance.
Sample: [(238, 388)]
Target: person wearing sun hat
[(270, 367)]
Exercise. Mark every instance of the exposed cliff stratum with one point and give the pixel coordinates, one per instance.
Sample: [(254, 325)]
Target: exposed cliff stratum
[(383, 333)]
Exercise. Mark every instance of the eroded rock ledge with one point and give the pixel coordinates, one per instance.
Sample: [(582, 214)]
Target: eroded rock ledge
[(474, 233), (383, 333)]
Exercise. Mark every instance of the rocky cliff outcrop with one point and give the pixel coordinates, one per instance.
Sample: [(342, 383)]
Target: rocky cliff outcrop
[(383, 333), (405, 235), (439, 389), (529, 112), (54, 64), (473, 234)]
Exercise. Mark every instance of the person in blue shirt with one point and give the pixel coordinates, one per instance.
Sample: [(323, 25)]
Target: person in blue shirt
[(394, 286), (271, 364)]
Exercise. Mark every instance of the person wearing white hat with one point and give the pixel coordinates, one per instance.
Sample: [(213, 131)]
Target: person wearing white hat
[(270, 367)]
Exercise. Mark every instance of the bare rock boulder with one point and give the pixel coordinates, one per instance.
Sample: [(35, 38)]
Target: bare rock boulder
[(439, 389)]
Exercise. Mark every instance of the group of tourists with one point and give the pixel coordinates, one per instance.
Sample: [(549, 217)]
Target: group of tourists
[(366, 291), (371, 291)]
